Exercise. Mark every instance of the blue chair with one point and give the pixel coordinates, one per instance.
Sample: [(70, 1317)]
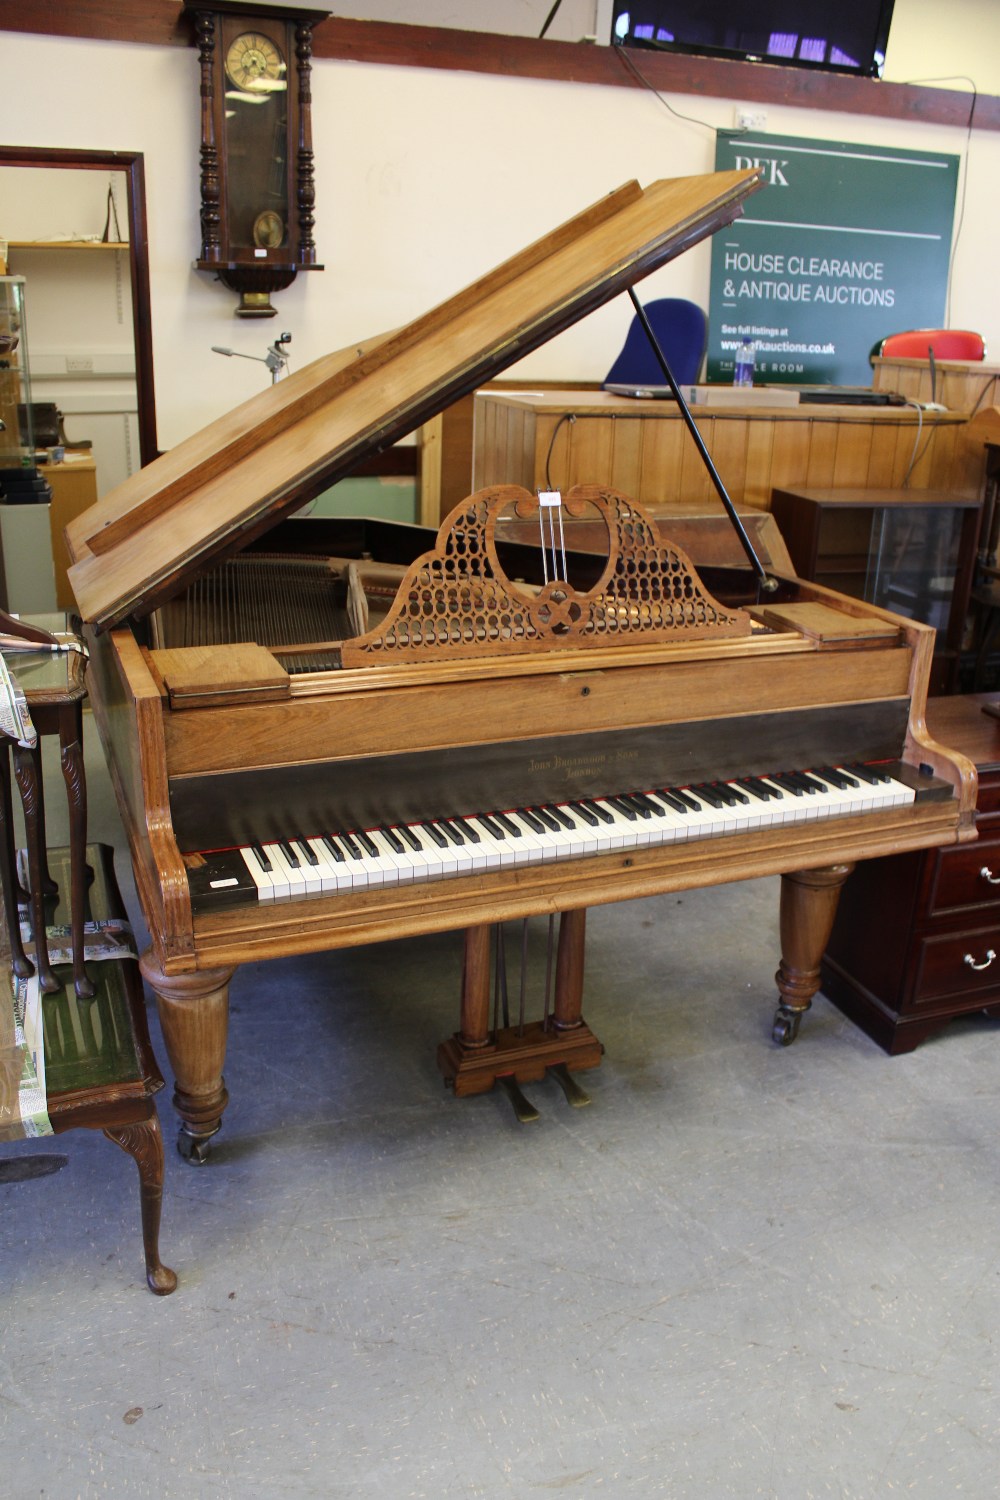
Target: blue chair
[(681, 328)]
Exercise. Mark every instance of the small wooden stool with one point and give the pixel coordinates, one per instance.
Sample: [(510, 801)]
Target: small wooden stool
[(100, 1071)]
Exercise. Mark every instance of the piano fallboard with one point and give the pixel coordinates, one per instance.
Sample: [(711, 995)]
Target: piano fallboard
[(229, 808)]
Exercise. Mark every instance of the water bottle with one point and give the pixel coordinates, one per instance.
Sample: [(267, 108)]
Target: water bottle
[(743, 371)]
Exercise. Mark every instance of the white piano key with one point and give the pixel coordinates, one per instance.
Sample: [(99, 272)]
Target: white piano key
[(334, 873), (260, 877), (292, 880), (402, 866)]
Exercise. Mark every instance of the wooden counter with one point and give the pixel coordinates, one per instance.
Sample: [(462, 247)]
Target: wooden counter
[(558, 438), (74, 490)]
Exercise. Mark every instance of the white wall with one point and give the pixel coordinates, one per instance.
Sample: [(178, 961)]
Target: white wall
[(425, 179)]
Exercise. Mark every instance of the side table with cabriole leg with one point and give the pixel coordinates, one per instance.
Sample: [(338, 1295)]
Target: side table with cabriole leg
[(54, 687)]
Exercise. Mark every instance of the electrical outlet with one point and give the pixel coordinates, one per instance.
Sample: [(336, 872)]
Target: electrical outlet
[(748, 118), (79, 364)]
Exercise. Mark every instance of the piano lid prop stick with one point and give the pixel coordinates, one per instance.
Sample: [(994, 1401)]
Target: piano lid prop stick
[(550, 506), (764, 582)]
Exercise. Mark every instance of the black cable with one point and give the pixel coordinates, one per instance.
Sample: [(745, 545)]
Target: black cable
[(549, 19), (636, 71), (991, 380)]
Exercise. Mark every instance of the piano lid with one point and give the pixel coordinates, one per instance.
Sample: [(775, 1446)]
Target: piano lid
[(236, 478)]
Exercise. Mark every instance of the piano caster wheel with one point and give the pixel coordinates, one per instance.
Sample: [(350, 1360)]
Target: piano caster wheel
[(786, 1026), (195, 1149)]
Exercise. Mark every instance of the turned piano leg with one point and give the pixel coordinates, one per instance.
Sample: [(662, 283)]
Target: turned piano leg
[(194, 1016), (808, 906)]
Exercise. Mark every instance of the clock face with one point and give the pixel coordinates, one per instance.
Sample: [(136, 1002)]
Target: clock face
[(254, 62)]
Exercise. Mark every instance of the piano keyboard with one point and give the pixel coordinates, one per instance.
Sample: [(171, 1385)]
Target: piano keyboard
[(300, 864)]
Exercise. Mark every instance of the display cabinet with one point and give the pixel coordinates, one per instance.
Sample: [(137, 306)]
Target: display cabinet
[(909, 551), (17, 446), (27, 580)]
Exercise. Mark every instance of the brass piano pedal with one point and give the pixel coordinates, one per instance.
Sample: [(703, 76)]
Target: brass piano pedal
[(524, 1110), (575, 1095)]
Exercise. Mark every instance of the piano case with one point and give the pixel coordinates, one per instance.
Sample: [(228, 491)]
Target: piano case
[(205, 740)]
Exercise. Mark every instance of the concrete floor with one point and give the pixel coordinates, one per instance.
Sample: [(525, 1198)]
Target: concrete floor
[(744, 1271)]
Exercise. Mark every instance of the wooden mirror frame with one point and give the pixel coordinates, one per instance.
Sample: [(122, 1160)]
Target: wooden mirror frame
[(131, 164)]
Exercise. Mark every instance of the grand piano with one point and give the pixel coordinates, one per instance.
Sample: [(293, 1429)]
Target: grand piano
[(327, 733)]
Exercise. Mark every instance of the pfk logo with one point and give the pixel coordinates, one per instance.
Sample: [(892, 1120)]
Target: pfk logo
[(773, 166)]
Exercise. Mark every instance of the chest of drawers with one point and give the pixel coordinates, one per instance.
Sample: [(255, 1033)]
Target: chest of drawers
[(916, 941)]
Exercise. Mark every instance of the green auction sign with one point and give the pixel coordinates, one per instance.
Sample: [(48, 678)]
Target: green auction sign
[(843, 245)]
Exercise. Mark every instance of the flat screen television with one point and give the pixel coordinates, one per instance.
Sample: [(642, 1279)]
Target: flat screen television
[(839, 36)]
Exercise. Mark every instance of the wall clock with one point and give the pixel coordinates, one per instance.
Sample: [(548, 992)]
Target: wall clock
[(257, 186)]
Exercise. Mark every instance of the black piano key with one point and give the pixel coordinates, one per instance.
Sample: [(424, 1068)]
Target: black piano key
[(786, 783), (333, 847), (451, 833), (527, 816), (620, 805), (546, 818), (561, 815), (836, 777), (672, 800), (410, 836), (708, 794), (395, 844), (636, 800), (436, 835), (467, 829), (348, 841), (309, 855), (871, 774), (599, 811), (759, 789), (286, 848), (262, 858), (813, 783), (731, 795), (690, 802), (585, 813), (492, 825), (506, 821), (370, 848)]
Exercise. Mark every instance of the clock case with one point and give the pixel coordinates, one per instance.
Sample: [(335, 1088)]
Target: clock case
[(255, 270)]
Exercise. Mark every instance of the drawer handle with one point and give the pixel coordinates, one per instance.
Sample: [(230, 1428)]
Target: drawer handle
[(988, 875), (990, 956)]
